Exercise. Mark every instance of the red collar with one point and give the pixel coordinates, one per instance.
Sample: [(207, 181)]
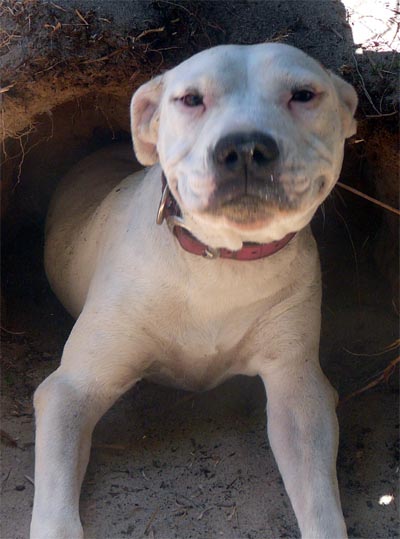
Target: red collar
[(169, 210)]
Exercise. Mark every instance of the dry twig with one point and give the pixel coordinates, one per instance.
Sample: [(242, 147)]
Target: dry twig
[(392, 346), (102, 58), (12, 332), (383, 377), (29, 479), (147, 32), (151, 520), (82, 18), (367, 197), (365, 88)]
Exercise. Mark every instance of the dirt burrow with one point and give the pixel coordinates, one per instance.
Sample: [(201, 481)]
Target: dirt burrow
[(164, 463)]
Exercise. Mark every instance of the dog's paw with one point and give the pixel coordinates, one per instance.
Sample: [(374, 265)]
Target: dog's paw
[(56, 530)]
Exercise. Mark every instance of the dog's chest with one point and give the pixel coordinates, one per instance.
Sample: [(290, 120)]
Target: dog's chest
[(199, 348), (195, 362)]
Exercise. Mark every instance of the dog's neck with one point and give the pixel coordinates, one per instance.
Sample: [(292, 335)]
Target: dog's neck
[(169, 211)]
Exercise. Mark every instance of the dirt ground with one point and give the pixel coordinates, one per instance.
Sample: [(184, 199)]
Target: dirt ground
[(167, 464)]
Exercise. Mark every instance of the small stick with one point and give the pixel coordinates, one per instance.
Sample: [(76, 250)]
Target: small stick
[(367, 197), (379, 112), (12, 332), (82, 18), (201, 515), (110, 446), (150, 31), (382, 115), (153, 516), (29, 479), (58, 7), (383, 377), (395, 344), (114, 53)]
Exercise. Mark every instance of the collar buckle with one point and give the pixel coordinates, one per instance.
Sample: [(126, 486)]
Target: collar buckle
[(162, 205), (165, 211), (210, 253)]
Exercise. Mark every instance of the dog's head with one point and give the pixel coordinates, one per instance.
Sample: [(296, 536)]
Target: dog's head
[(250, 139)]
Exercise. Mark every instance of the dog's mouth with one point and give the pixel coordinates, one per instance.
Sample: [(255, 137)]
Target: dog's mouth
[(249, 211), (248, 206), (244, 209)]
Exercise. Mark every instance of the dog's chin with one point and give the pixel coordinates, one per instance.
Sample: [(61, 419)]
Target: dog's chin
[(246, 212)]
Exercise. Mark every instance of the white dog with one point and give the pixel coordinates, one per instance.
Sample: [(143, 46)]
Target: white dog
[(248, 141)]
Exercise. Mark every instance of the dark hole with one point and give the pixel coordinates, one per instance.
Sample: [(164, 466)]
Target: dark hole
[(259, 158), (231, 158)]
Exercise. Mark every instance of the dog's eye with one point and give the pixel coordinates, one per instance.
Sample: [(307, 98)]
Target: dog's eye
[(303, 96), (192, 100)]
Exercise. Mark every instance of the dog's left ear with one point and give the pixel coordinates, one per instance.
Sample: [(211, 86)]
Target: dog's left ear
[(145, 116), (348, 101)]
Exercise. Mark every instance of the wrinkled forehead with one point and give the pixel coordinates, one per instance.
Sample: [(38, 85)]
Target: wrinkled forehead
[(230, 67)]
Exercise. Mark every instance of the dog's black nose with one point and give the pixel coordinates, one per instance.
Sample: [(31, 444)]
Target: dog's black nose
[(245, 155)]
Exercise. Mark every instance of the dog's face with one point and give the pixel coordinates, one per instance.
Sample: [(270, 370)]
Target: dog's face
[(250, 139)]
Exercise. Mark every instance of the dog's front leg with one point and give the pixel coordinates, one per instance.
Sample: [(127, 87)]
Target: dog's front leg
[(303, 430), (95, 370)]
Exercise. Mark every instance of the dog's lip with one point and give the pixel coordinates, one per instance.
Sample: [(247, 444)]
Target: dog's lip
[(262, 205), (248, 226), (249, 200), (244, 212)]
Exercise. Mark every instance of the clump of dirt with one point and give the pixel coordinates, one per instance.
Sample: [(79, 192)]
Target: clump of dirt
[(68, 72), (52, 53), (58, 60)]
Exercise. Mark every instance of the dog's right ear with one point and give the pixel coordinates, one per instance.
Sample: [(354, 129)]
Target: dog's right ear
[(145, 117), (348, 102)]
